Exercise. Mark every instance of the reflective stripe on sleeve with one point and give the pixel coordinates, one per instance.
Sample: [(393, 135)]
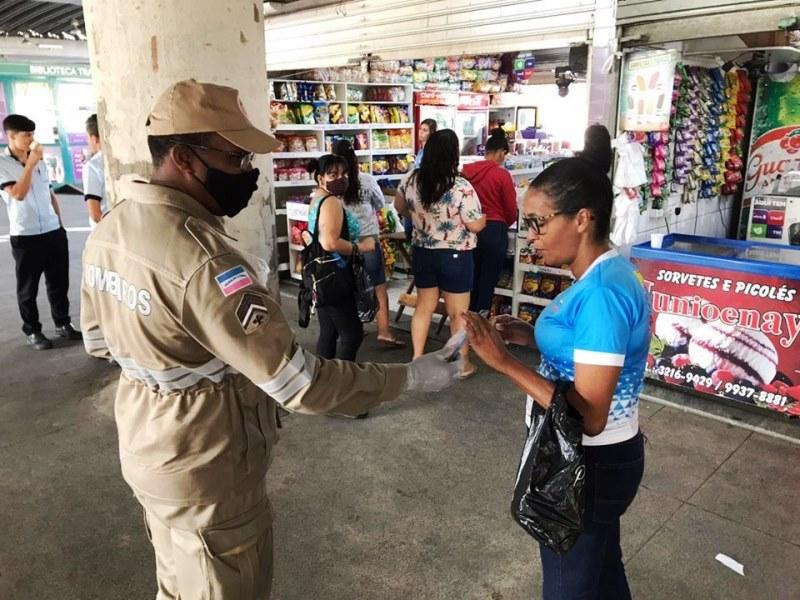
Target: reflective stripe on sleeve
[(292, 378)]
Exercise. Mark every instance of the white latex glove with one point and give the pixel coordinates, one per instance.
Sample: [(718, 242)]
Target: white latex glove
[(431, 372)]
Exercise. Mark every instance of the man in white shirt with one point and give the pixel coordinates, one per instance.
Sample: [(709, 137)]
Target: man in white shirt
[(38, 239), (94, 183)]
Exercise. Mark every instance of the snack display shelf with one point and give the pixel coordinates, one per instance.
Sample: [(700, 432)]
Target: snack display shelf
[(519, 249), (315, 140)]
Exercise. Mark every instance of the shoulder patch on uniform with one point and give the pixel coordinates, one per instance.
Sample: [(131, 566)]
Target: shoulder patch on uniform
[(252, 312), (233, 280)]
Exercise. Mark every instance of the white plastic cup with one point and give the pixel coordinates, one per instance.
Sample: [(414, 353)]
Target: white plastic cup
[(657, 240)]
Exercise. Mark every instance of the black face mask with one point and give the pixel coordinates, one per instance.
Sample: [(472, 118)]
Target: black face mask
[(232, 191)]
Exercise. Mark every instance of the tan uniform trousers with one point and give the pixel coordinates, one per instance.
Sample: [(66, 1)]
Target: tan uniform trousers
[(212, 552)]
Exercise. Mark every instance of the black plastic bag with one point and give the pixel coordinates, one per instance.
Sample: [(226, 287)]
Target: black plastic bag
[(366, 298), (549, 496)]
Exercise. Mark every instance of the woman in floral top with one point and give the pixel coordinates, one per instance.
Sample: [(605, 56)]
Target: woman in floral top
[(447, 217)]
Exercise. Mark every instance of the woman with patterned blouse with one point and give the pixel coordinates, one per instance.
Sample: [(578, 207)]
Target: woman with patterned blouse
[(447, 217)]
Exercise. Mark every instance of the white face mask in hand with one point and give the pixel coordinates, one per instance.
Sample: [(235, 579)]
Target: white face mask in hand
[(432, 372)]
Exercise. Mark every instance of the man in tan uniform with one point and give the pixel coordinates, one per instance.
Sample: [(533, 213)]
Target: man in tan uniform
[(205, 353)]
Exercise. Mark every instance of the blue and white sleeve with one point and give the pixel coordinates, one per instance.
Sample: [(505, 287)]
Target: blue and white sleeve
[(602, 329)]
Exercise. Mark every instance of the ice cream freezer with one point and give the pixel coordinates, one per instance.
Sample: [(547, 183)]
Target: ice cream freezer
[(725, 318)]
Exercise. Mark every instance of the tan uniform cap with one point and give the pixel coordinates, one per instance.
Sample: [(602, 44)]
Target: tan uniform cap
[(191, 106)]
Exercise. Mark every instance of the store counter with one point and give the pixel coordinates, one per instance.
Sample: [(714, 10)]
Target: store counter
[(726, 318)]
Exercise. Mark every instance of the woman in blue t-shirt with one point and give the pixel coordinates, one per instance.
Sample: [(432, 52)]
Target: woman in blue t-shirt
[(596, 334)]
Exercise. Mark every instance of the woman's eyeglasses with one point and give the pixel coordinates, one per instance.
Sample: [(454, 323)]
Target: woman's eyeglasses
[(535, 224)]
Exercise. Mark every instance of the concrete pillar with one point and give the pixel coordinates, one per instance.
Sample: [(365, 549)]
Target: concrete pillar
[(138, 48)]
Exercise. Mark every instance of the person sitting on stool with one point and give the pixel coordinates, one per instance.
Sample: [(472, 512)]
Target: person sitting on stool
[(37, 236)]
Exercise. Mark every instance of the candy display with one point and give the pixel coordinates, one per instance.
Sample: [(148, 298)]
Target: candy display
[(738, 91), (701, 156)]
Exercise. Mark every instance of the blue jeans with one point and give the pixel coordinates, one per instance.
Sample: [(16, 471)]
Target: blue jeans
[(593, 569), (489, 257)]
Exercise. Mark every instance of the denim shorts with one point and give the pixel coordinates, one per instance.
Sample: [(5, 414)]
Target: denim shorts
[(451, 271), (373, 261)]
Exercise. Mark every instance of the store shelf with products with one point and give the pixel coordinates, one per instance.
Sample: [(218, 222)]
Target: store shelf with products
[(309, 117), (525, 287)]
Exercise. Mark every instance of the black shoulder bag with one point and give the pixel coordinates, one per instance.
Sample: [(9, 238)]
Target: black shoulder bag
[(366, 298), (328, 278)]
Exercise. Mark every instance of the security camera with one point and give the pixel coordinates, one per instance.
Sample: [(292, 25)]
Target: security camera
[(564, 76)]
